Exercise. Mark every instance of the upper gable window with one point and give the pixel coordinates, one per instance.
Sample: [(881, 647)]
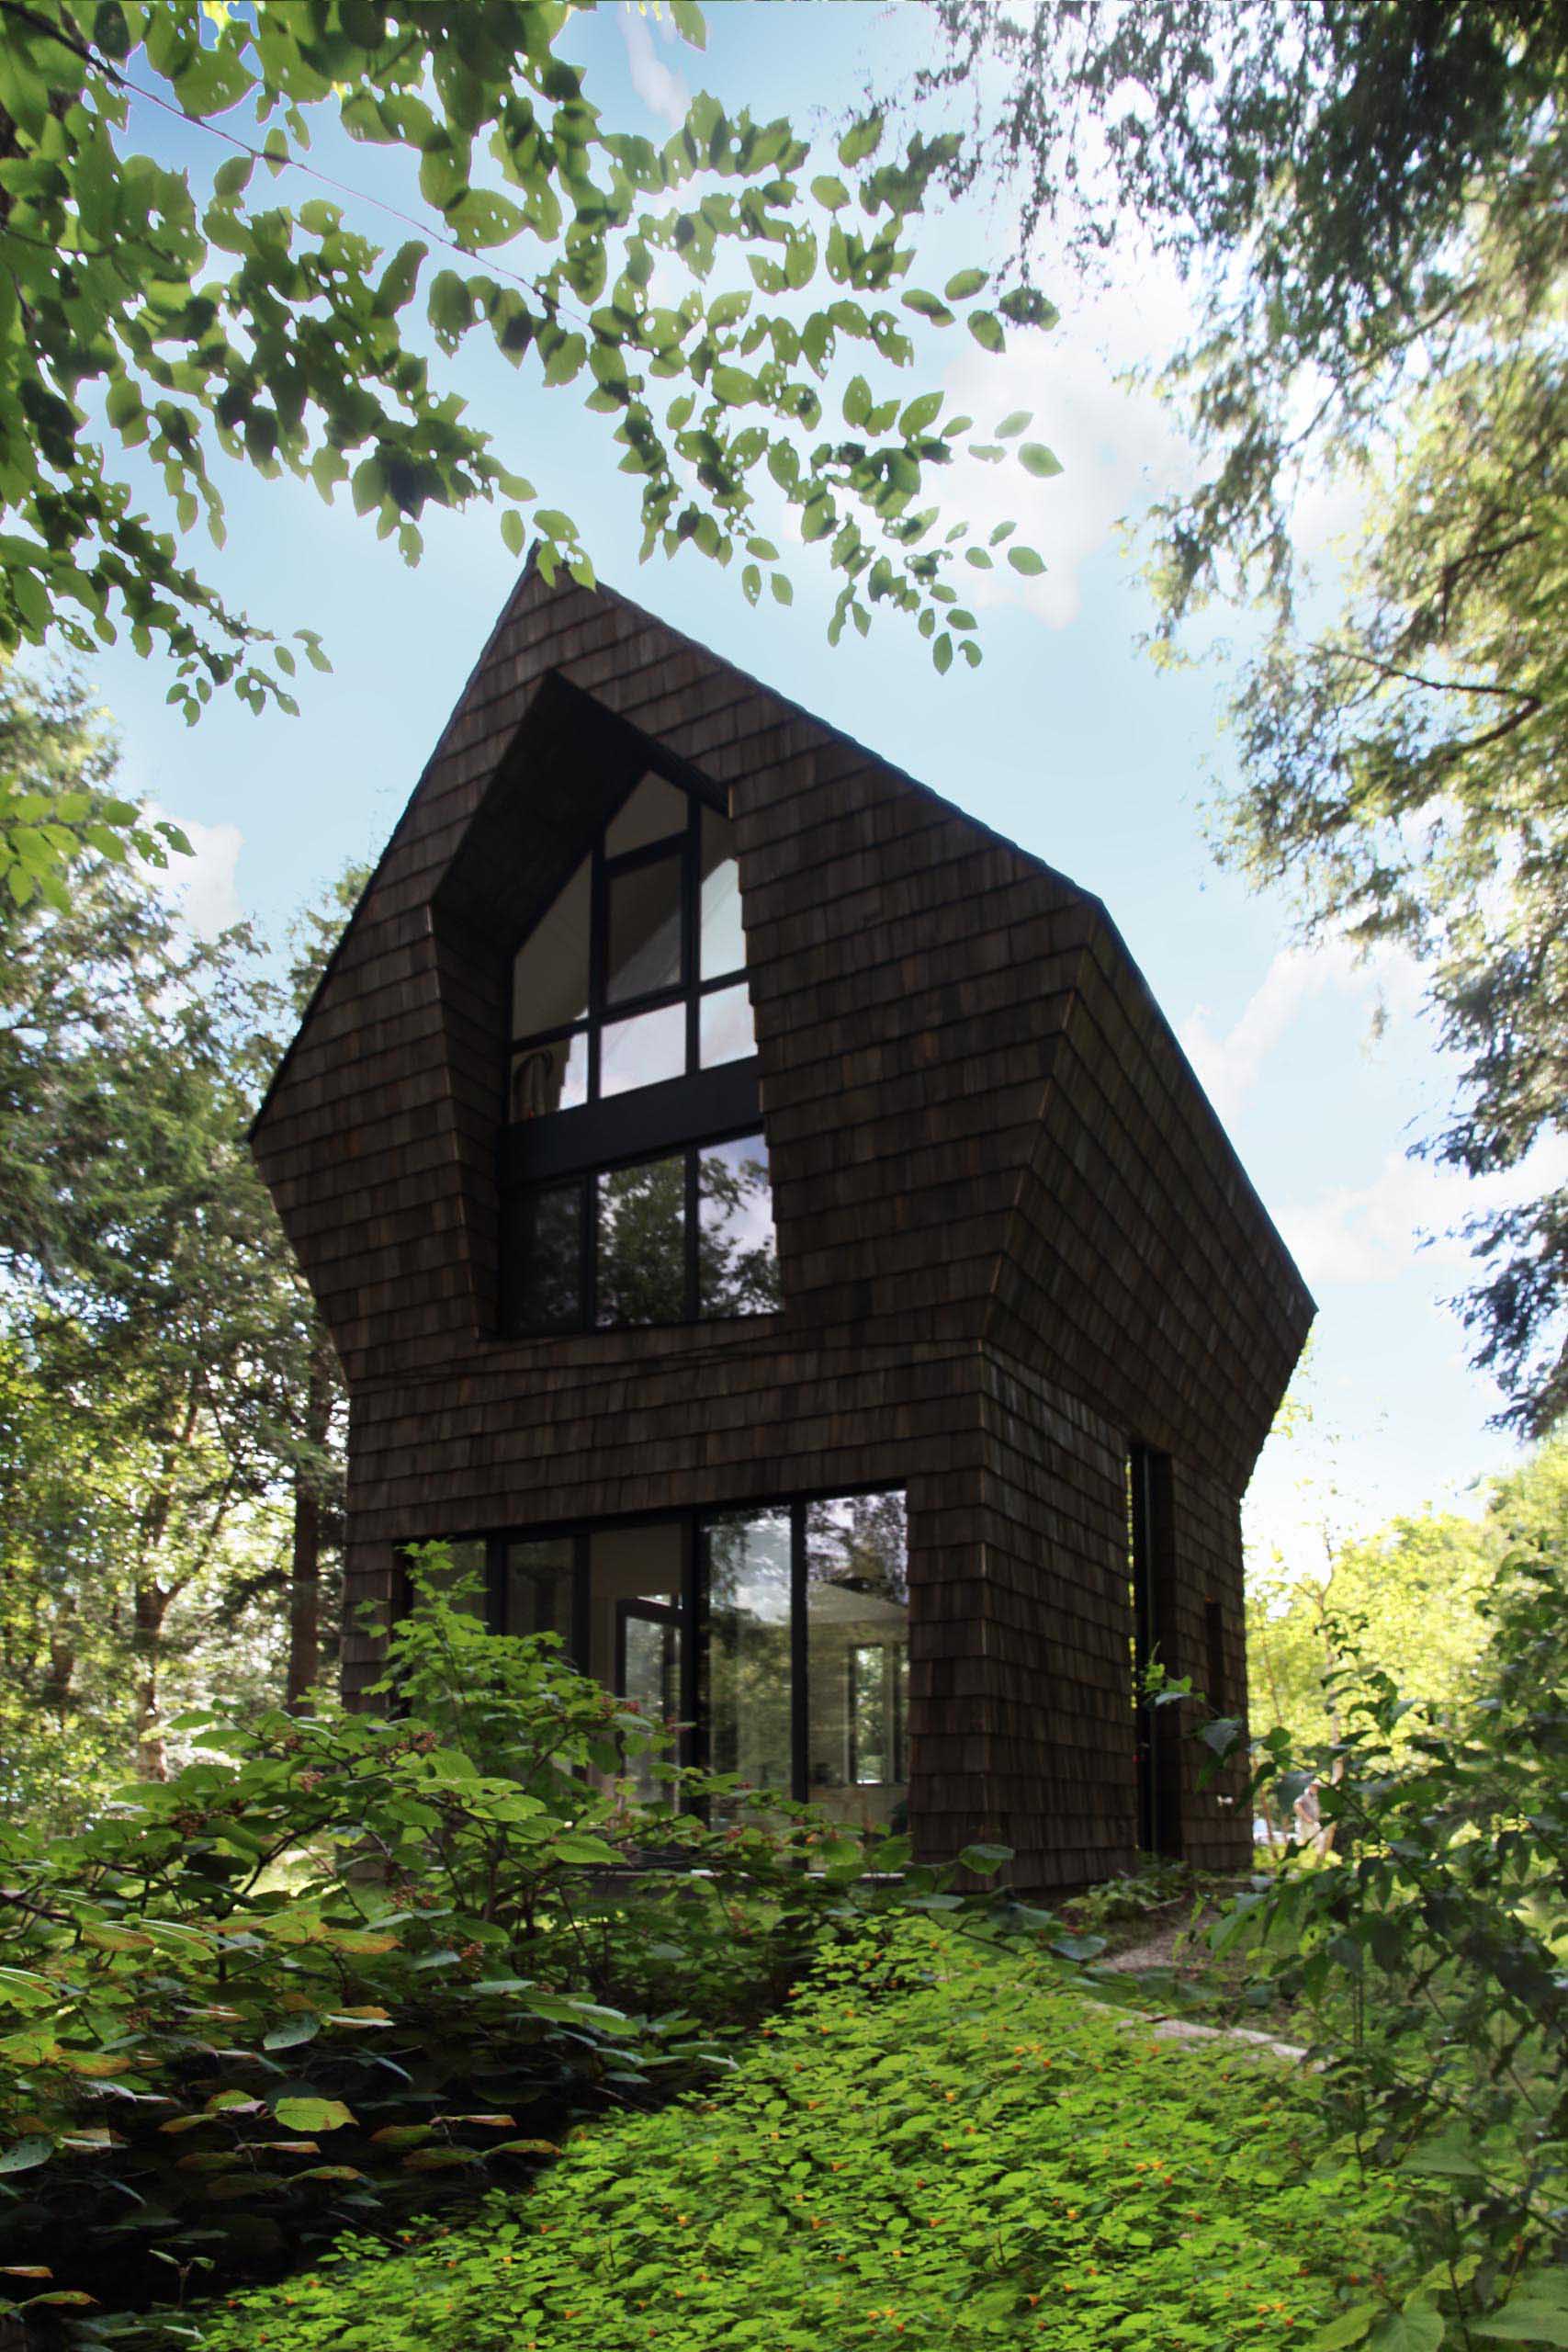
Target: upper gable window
[(635, 975)]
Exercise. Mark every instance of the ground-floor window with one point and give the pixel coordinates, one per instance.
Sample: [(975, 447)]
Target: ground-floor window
[(777, 1632)]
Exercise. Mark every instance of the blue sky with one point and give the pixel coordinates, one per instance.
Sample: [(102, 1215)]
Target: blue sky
[(1068, 739)]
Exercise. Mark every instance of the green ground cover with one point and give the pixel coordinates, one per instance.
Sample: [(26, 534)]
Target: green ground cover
[(939, 2142)]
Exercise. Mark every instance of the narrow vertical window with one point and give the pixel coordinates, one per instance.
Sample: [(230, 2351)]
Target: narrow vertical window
[(544, 1260), (747, 1685), (537, 1587), (857, 1614), (1148, 1543), (1218, 1683), (738, 1267), (641, 1272)]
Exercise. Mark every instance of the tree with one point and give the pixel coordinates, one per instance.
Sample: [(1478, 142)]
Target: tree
[(139, 316), (1416, 1590), (1367, 199), (171, 1399)]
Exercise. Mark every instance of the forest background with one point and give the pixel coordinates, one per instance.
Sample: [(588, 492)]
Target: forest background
[(170, 1480)]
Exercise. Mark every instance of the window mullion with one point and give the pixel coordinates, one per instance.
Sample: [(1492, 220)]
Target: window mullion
[(598, 928), (689, 894)]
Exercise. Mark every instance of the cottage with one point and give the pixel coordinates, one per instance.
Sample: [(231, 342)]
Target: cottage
[(766, 1220)]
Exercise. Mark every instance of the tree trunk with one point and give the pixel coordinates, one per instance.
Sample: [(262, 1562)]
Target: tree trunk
[(305, 1559), (57, 1696), (152, 1754)]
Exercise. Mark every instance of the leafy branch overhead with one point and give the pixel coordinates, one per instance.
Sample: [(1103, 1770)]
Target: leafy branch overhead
[(144, 325)]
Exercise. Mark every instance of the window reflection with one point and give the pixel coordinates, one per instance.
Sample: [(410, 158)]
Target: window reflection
[(636, 1577), (620, 1589), (655, 809), (737, 1269), (747, 1679), (728, 1034), (643, 953), (857, 1607), (642, 1242), (549, 974), (537, 1587), (552, 1076), (643, 1051), (544, 1260), (721, 940)]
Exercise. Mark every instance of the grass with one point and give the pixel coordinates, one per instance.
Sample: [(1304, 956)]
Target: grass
[(942, 2145)]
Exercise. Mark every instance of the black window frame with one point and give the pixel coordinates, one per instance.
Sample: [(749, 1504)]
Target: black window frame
[(584, 1181), (691, 988), (692, 1749), (567, 1150)]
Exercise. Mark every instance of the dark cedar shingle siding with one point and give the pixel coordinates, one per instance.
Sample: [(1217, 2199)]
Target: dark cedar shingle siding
[(1012, 1234)]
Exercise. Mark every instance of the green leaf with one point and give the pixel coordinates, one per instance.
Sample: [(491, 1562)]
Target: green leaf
[(1419, 2327), (1078, 1948), (1026, 561), (26, 2154), (291, 2034), (1037, 459), (313, 2114), (1014, 423), (1522, 2320), (986, 329), (1348, 2329), (574, 1847), (733, 386), (513, 531), (860, 141), (111, 1939), (1026, 308), (830, 191)]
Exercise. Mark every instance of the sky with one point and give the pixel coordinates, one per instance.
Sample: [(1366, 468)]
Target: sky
[(1068, 739)]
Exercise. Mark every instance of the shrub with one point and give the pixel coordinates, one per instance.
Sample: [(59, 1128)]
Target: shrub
[(941, 2143), (1428, 1943), (342, 1967)]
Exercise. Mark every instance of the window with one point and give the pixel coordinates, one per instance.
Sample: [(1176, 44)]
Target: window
[(857, 1615), (635, 1171), (778, 1633), (685, 1238), (636, 974)]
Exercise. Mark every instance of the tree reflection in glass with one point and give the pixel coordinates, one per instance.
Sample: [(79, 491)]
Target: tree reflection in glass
[(738, 1267), (746, 1665), (857, 1602), (642, 1242), (545, 1261)]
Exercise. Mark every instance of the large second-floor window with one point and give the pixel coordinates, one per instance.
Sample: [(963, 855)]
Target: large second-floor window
[(635, 975), (634, 1170)]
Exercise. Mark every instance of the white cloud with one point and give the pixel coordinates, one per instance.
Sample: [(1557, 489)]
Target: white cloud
[(1229, 1063), (205, 884), (658, 86), (1373, 1233), (1119, 445)]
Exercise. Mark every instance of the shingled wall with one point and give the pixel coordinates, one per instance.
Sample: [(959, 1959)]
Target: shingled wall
[(1012, 1237)]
